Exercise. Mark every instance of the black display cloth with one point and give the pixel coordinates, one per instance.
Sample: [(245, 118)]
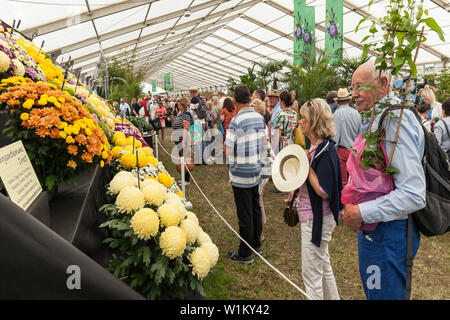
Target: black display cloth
[(34, 261)]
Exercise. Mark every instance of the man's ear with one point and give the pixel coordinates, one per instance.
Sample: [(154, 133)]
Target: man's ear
[(385, 83)]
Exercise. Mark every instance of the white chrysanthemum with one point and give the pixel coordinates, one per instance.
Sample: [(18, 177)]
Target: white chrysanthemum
[(5, 62), (200, 262), (172, 242), (179, 204), (169, 214), (130, 199), (154, 183), (145, 223), (191, 215), (19, 69), (190, 228), (203, 237), (121, 181), (213, 252), (154, 195)]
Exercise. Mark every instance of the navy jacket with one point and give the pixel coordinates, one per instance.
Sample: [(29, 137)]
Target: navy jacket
[(327, 167)]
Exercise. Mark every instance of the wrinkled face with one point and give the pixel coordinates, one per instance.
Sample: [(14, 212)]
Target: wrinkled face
[(305, 125), (273, 101), (367, 97)]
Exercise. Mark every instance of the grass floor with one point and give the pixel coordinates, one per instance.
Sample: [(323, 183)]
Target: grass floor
[(282, 248)]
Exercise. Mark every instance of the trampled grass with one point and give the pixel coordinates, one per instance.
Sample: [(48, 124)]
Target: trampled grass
[(282, 248)]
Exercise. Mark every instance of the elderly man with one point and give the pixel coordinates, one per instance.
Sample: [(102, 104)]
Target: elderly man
[(382, 252), (347, 123), (124, 108)]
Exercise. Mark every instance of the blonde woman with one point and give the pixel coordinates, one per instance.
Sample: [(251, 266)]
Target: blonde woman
[(318, 202), (427, 94)]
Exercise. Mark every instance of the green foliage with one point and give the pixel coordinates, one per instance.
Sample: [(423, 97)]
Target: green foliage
[(345, 69), (440, 80), (139, 122), (270, 74)]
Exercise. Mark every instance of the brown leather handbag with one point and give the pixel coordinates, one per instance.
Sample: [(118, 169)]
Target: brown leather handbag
[(290, 214)]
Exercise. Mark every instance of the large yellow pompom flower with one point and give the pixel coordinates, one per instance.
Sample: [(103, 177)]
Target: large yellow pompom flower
[(152, 182), (213, 252), (128, 160), (121, 141), (203, 237), (181, 208), (153, 161), (192, 216), (172, 242), (116, 151), (118, 135), (153, 194), (130, 199), (145, 223), (169, 214), (190, 228), (200, 262), (165, 179), (5, 62), (148, 151), (121, 181)]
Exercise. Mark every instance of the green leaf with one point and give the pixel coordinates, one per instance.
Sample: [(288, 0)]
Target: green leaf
[(392, 170), (432, 24), (372, 140), (373, 29), (365, 38), (365, 51), (365, 164), (412, 66), (146, 256), (51, 181)]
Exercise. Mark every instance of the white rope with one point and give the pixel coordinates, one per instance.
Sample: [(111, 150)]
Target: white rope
[(236, 233)]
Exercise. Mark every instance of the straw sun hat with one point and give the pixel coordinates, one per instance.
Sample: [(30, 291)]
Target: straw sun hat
[(290, 168)]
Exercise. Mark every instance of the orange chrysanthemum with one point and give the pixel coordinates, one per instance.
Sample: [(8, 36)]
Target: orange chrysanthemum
[(72, 164), (72, 149)]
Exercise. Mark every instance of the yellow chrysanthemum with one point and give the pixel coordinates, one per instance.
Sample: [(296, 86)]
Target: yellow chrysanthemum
[(118, 135), (121, 141), (116, 151), (190, 228), (152, 178), (24, 116), (152, 182), (5, 62), (145, 223), (130, 199), (121, 181), (128, 160), (62, 134), (169, 214), (19, 69), (148, 151), (142, 160), (28, 104), (200, 262), (177, 201), (180, 194), (72, 164), (213, 252), (172, 242), (165, 179), (191, 215), (153, 161), (154, 195), (102, 163), (203, 237), (70, 140)]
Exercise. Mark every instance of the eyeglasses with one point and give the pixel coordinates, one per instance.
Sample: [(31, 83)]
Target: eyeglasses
[(359, 87)]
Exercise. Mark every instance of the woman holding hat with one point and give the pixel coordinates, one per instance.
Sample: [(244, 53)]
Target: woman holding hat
[(318, 203)]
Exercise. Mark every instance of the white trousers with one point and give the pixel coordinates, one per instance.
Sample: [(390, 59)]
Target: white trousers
[(317, 274)]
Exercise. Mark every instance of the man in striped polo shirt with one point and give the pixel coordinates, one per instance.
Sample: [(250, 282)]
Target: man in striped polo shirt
[(243, 145)]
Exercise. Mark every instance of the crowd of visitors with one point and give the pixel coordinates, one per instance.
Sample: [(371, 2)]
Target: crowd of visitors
[(252, 125)]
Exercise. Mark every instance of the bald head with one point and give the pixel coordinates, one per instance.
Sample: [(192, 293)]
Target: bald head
[(366, 74)]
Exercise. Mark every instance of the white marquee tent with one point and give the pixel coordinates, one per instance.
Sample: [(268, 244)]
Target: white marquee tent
[(202, 42)]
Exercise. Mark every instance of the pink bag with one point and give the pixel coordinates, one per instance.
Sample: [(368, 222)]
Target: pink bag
[(365, 185)]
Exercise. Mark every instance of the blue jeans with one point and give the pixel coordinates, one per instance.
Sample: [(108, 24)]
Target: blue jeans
[(382, 259)]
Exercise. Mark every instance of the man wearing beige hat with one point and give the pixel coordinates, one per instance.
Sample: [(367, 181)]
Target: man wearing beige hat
[(347, 122)]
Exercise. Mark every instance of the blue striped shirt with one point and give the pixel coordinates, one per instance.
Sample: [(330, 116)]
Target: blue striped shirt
[(245, 139), (347, 122)]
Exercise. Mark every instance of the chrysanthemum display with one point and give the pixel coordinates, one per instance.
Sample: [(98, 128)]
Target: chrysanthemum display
[(172, 242), (201, 262), (213, 252), (192, 216), (145, 223), (130, 199), (203, 237), (190, 228), (128, 160), (169, 214), (165, 179)]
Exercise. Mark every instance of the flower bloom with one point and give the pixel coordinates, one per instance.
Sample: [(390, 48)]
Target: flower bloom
[(72, 164), (153, 194), (130, 199), (200, 262), (145, 223), (192, 216), (172, 242), (190, 228), (120, 181), (203, 237), (213, 252), (165, 179), (24, 116), (28, 103), (73, 150), (169, 214)]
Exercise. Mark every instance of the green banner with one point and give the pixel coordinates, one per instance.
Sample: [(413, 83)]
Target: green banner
[(168, 81), (334, 30), (153, 85), (304, 30)]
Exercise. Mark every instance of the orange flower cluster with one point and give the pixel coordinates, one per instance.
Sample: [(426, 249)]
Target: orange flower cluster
[(55, 114)]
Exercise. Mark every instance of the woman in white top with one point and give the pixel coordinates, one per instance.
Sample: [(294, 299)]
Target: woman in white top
[(427, 94)]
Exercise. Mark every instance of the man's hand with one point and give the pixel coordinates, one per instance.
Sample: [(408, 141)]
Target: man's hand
[(352, 217)]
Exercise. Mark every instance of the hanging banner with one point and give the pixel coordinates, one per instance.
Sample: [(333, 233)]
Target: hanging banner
[(304, 30), (334, 30), (153, 85)]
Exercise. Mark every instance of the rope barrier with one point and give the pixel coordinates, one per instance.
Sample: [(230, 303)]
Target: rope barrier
[(234, 231)]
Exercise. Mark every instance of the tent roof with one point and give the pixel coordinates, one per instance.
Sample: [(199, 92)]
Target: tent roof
[(202, 42)]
